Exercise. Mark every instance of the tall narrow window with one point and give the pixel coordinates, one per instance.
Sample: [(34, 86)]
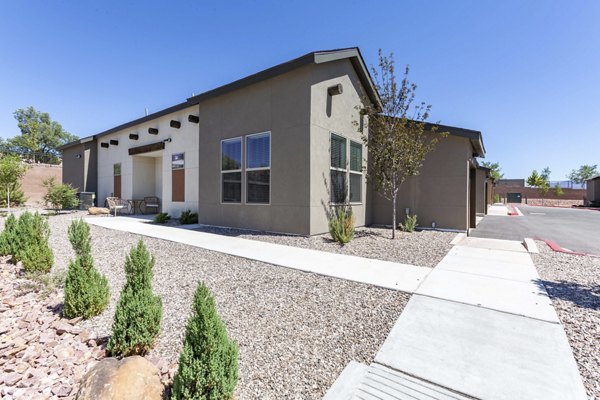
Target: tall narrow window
[(258, 168), (117, 180), (231, 170), (355, 172), (338, 186), (178, 177)]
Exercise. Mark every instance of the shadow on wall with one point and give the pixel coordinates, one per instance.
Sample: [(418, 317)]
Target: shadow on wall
[(583, 296)]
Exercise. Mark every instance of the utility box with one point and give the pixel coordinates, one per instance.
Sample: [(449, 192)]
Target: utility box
[(513, 198), (86, 200)]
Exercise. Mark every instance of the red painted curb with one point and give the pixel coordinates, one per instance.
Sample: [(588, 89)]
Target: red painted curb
[(556, 247), (513, 211)]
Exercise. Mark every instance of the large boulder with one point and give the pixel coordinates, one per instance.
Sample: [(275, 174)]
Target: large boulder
[(132, 378), (98, 211)]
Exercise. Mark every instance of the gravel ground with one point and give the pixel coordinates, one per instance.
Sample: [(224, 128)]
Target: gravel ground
[(423, 248), (296, 331), (573, 283)]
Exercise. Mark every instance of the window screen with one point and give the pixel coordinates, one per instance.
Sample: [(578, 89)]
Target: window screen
[(258, 151), (231, 170), (231, 154), (338, 151), (355, 157)]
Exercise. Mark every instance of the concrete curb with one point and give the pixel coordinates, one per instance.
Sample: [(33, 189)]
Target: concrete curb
[(458, 238), (530, 245), (346, 383)]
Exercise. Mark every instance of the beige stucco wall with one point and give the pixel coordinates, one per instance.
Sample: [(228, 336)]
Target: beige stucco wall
[(439, 193), (280, 105), (183, 140), (332, 114)]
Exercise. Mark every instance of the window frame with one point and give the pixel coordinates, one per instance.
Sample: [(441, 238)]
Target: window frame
[(240, 170), (247, 169), (351, 171), (347, 170)]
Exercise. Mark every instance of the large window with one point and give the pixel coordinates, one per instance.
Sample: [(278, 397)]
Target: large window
[(258, 168), (355, 172), (346, 178), (231, 170)]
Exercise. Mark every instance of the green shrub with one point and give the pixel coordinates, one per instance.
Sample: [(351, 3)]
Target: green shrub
[(31, 244), (60, 196), (9, 236), (139, 311), (208, 367), (86, 290), (410, 223), (162, 218), (188, 217), (497, 198), (79, 236), (341, 225)]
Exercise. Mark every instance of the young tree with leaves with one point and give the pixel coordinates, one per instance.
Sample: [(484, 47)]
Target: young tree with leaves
[(539, 182), (398, 137), (12, 170), (494, 170), (40, 137), (558, 191), (545, 174), (583, 173)]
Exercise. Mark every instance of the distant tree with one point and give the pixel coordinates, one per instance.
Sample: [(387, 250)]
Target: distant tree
[(495, 170), (12, 171), (583, 173), (539, 182), (558, 190), (546, 173), (40, 137), (398, 136)]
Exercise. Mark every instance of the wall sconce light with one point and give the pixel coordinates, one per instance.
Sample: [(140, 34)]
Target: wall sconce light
[(104, 145), (433, 224), (193, 118), (407, 211), (77, 155), (335, 89), (153, 131), (175, 124), (114, 142), (167, 140), (134, 136)]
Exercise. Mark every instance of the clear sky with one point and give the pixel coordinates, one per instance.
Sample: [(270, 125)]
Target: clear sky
[(525, 73)]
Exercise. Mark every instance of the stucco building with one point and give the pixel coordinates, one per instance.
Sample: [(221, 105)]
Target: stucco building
[(272, 152)]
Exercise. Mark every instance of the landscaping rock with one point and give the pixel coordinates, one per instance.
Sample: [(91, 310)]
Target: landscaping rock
[(132, 378), (98, 211)]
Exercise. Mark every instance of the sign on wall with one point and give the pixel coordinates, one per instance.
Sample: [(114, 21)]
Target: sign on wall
[(177, 161)]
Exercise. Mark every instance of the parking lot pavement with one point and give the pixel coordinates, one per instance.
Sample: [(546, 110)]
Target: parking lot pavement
[(573, 229)]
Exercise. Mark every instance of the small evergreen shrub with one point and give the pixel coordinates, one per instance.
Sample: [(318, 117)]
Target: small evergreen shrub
[(208, 368), (341, 225), (162, 218), (31, 244), (188, 217), (139, 311), (86, 290), (409, 224), (9, 236)]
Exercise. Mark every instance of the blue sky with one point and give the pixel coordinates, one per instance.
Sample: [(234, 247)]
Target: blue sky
[(527, 74)]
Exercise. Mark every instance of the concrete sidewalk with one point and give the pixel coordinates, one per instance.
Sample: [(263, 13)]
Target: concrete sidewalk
[(480, 326), (390, 275)]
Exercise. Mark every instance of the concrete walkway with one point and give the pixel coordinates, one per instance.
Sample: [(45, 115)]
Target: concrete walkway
[(480, 326), (390, 275)]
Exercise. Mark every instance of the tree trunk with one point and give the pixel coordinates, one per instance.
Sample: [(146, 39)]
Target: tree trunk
[(394, 215), (8, 197)]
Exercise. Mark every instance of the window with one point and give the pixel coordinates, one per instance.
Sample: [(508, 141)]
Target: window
[(231, 170), (355, 172), (258, 168), (338, 173), (178, 177)]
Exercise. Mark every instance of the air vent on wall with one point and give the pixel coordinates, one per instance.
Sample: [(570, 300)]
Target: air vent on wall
[(193, 118), (134, 136), (175, 124), (153, 131), (114, 142), (104, 145)]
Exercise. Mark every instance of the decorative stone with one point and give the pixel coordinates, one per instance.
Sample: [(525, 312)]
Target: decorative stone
[(132, 378), (98, 211)]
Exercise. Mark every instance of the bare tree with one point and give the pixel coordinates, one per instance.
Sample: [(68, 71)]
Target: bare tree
[(398, 137)]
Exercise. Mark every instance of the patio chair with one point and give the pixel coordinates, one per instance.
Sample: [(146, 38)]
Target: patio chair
[(116, 204), (152, 203)]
